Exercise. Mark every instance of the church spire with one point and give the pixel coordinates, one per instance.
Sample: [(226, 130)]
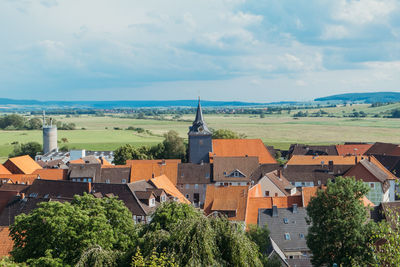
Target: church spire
[(199, 125)]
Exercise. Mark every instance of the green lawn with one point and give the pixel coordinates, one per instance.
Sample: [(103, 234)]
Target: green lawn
[(278, 130)]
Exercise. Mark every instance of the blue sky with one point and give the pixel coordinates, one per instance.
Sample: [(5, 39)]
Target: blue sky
[(261, 51)]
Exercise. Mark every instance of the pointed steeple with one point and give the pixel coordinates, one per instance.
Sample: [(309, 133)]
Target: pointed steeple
[(199, 125)]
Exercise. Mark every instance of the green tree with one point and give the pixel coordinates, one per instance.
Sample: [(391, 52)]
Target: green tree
[(8, 262), (12, 121), (34, 124), (30, 148), (174, 147), (98, 257), (68, 229), (339, 231), (155, 260), (226, 134), (386, 241)]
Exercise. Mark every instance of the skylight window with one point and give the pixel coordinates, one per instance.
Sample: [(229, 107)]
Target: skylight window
[(287, 236), (285, 220)]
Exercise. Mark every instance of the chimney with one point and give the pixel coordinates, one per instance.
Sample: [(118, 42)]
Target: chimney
[(294, 208), (152, 175), (274, 211), (279, 173), (369, 158), (89, 187), (101, 160), (201, 162), (22, 196), (356, 160), (330, 166)]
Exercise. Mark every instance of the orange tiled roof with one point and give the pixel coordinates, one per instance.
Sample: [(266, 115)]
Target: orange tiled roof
[(367, 202), (162, 182), (146, 169), (227, 199), (77, 161), (255, 191), (52, 174), (256, 203), (4, 170), (19, 178), (241, 148), (317, 160), (6, 243), (25, 163), (356, 149)]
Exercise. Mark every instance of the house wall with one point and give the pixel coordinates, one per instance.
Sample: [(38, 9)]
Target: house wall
[(303, 184), (188, 190), (392, 190), (375, 194), (267, 185), (226, 183)]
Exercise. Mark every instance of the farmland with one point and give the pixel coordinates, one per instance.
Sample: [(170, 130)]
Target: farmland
[(108, 132)]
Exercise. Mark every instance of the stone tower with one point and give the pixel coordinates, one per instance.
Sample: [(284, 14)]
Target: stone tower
[(200, 143), (49, 136)]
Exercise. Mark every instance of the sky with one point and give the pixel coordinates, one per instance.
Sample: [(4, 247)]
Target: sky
[(258, 51)]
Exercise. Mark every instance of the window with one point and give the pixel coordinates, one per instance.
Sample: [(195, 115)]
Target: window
[(124, 181), (85, 180), (276, 194), (196, 186), (73, 180), (200, 141), (267, 193), (207, 175), (187, 196), (182, 174), (301, 236), (107, 181), (187, 186), (224, 173), (319, 182), (163, 198), (287, 236), (152, 202), (89, 180), (303, 183), (372, 185), (181, 186), (285, 220)]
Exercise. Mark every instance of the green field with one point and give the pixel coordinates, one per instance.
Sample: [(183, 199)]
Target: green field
[(279, 130)]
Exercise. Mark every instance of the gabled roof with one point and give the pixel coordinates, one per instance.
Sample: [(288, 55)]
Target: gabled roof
[(190, 173), (277, 178), (352, 149), (4, 170), (52, 174), (6, 243), (147, 169), (88, 170), (57, 189), (313, 173), (24, 163), (228, 198), (322, 160), (162, 182), (115, 174), (384, 149), (224, 166), (241, 148), (262, 170)]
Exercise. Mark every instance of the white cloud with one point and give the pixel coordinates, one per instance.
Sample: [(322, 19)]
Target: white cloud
[(335, 32)]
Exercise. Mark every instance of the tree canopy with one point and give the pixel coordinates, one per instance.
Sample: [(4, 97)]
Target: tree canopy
[(65, 230), (226, 134), (30, 148), (339, 231)]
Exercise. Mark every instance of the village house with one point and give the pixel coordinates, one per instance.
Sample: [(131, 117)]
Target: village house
[(233, 170)]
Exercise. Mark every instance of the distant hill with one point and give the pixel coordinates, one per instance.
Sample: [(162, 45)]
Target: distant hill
[(383, 97), (122, 104)]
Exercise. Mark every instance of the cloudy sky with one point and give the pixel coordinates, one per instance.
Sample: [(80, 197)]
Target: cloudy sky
[(252, 50)]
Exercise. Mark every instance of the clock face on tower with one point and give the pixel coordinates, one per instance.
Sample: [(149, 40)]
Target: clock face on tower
[(200, 128)]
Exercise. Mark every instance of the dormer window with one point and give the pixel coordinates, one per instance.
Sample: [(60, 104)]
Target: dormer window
[(163, 199), (152, 202), (287, 236), (285, 220), (107, 181), (123, 181)]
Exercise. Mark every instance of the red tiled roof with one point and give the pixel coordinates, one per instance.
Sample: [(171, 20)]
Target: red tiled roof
[(241, 148), (147, 169), (352, 149), (52, 174), (20, 178), (24, 163), (6, 243)]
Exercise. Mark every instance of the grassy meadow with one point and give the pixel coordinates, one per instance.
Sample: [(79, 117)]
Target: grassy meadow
[(279, 130)]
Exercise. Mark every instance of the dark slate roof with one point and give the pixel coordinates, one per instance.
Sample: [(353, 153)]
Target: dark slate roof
[(13, 187), (199, 126), (262, 170), (114, 174), (56, 189), (84, 171), (296, 225), (143, 194), (124, 193), (225, 165), (190, 173), (301, 149), (392, 163), (57, 163), (313, 173), (381, 149)]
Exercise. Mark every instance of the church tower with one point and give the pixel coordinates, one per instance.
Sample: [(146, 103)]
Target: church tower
[(200, 143)]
